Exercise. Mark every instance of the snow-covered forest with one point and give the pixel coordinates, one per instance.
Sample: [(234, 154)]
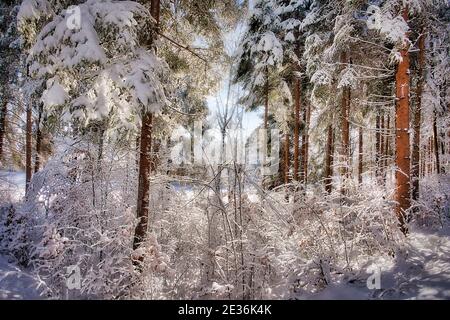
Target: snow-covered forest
[(224, 149)]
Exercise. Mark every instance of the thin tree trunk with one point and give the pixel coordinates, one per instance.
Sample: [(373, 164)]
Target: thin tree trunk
[(143, 200), (306, 149), (329, 160), (430, 156), (360, 155), (402, 136), (28, 146), (297, 92), (37, 156), (345, 106), (377, 147), (265, 143), (286, 158), (382, 151), (436, 144), (3, 112), (386, 147), (417, 121)]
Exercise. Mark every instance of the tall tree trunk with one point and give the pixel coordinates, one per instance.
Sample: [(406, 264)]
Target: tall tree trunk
[(345, 112), (402, 135), (3, 112), (417, 120), (436, 144), (382, 151), (306, 143), (297, 92), (37, 156), (144, 180), (143, 200), (377, 147), (265, 144), (422, 162), (28, 146), (329, 160), (386, 147), (360, 155), (430, 156)]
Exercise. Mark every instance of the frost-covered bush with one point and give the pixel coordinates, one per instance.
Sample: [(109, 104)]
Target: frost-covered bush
[(79, 212), (308, 244), (433, 207)]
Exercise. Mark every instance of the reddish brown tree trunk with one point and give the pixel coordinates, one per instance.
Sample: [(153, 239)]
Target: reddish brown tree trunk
[(144, 180), (415, 160), (360, 155), (345, 112), (297, 92), (329, 160), (402, 135), (28, 146), (143, 200)]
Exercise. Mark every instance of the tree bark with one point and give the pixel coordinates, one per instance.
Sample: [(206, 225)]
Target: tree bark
[(37, 156), (329, 160), (297, 92), (144, 180), (265, 144), (386, 147), (415, 160), (28, 146), (3, 112), (382, 151), (377, 147), (306, 143), (360, 155), (402, 136), (143, 200), (286, 158), (430, 156), (436, 144), (345, 109)]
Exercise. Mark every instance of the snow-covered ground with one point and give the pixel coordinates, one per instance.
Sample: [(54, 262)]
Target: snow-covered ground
[(16, 284), (422, 271)]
